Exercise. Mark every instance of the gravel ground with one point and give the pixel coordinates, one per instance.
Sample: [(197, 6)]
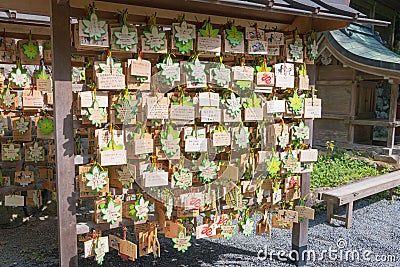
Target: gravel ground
[(375, 232)]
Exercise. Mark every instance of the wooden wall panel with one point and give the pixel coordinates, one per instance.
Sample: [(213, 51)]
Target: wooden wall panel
[(335, 99), (363, 134), (334, 73), (367, 100), (330, 130)]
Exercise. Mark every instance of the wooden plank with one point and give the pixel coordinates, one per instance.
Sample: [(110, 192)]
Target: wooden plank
[(361, 76), (364, 184), (359, 190), (86, 227), (40, 7), (64, 135), (335, 116), (335, 82), (368, 192), (329, 198), (20, 31), (375, 122), (13, 188), (392, 113), (340, 218)]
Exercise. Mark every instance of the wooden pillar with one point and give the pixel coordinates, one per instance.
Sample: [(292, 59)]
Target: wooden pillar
[(353, 106), (64, 138), (300, 230), (393, 30), (392, 113)]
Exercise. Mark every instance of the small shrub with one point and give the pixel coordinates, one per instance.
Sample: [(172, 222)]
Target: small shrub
[(339, 167)]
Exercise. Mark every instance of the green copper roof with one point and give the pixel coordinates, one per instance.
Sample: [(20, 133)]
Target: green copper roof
[(358, 43)]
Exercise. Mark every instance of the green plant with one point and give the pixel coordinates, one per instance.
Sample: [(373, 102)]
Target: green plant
[(339, 167), (37, 256)]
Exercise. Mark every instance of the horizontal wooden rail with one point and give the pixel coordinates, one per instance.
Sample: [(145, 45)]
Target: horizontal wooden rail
[(86, 227)]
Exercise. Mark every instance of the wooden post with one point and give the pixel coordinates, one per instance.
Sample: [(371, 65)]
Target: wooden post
[(353, 106), (393, 30), (64, 137), (300, 230), (392, 113), (349, 214), (329, 211)]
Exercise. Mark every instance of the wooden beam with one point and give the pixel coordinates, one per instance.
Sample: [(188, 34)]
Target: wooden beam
[(39, 7), (137, 12), (392, 113), (86, 227), (335, 82), (64, 135), (16, 188), (375, 122), (21, 31)]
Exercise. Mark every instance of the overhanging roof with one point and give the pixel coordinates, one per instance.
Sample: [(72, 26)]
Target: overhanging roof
[(359, 47)]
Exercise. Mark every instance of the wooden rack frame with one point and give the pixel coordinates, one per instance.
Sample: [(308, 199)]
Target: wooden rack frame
[(60, 11)]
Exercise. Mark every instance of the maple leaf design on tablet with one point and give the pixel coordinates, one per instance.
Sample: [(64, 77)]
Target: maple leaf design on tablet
[(110, 66), (155, 39), (99, 251), (234, 36), (94, 27), (35, 152), (274, 165), (208, 31), (140, 210), (22, 125), (182, 242), (242, 137), (96, 179), (46, 125), (221, 75), (170, 71), (170, 141), (125, 176), (233, 105), (8, 98), (126, 109), (126, 39), (111, 212), (96, 114), (19, 76), (183, 33), (247, 226), (11, 152), (30, 49), (208, 170)]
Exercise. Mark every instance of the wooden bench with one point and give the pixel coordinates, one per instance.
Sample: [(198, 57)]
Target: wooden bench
[(347, 194)]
